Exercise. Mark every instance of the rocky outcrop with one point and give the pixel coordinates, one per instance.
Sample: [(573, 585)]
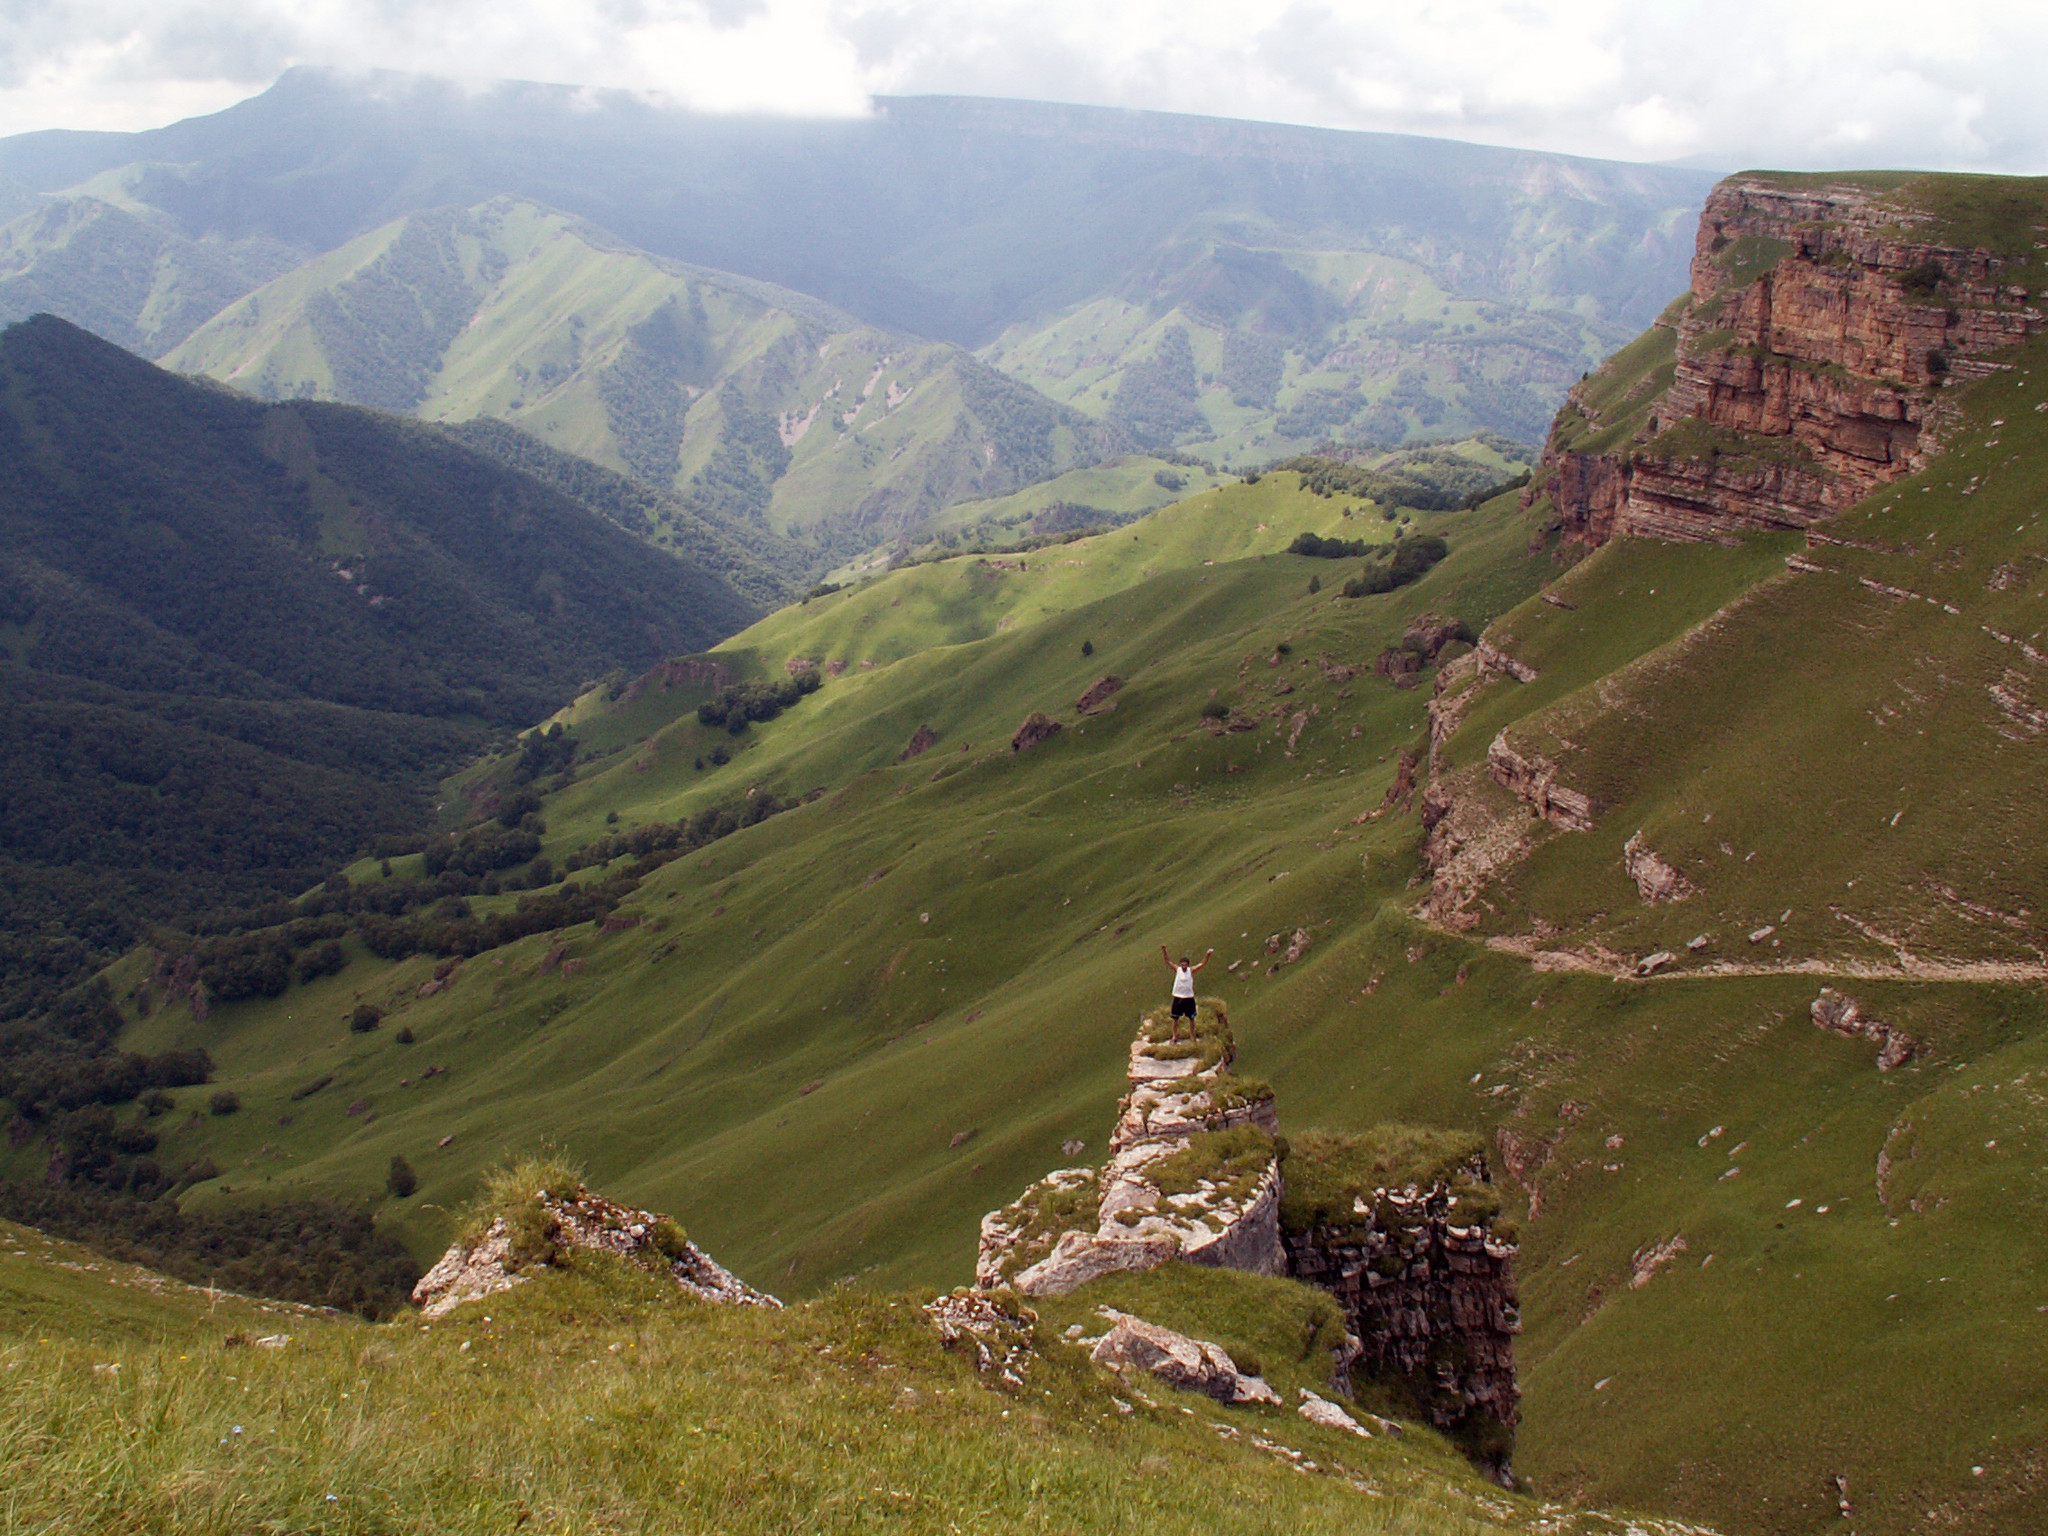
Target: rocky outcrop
[(1533, 781), (1193, 1173), (1193, 1365), (1036, 728), (1655, 880), (545, 1231), (1806, 364), (922, 740), (1097, 696), (1428, 1287), (1840, 1014)]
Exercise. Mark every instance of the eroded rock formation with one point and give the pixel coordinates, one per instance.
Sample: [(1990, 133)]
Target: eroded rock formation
[(1803, 368), (1192, 1174)]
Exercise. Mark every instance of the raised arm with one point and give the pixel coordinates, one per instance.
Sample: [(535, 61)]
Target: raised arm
[(1167, 955), (1202, 962)]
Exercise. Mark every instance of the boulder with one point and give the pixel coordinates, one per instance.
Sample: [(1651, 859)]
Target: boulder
[(1194, 1365)]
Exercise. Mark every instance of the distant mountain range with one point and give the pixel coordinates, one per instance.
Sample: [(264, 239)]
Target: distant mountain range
[(1237, 290)]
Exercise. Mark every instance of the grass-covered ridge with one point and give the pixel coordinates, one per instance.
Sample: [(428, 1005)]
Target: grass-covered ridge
[(599, 1396)]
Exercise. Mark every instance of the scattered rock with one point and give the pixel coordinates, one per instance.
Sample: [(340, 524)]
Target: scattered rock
[(1320, 1410), (1757, 936), (1194, 1365), (1073, 1146), (1655, 880), (1650, 964), (1647, 1261), (1699, 942)]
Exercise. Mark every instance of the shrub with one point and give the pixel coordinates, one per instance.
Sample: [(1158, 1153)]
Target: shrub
[(1087, 647), (157, 1102), (366, 1017), (400, 1179), (225, 1102), (405, 1035), (1315, 585), (1215, 709), (720, 757)]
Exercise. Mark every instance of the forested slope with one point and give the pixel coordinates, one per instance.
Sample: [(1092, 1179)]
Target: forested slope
[(239, 639)]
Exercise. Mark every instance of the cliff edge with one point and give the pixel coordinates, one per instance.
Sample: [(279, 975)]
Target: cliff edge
[(1805, 365)]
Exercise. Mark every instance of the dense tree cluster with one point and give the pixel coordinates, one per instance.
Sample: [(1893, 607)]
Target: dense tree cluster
[(740, 704), (322, 1253), (1314, 544), (1411, 560)]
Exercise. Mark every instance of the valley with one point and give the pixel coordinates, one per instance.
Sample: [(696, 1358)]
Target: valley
[(1656, 821)]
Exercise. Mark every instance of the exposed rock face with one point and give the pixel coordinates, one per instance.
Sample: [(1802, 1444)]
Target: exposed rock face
[(1839, 1014), (1097, 695), (1194, 1365), (1433, 1300), (1533, 781), (1143, 1207), (504, 1256), (1036, 728), (1808, 361), (1655, 880), (922, 740)]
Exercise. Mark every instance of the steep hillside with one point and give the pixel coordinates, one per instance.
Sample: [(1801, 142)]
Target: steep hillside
[(1806, 364), (240, 639), (752, 403), (1250, 354)]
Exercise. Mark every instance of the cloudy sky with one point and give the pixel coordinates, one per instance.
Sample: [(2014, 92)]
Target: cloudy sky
[(1950, 84)]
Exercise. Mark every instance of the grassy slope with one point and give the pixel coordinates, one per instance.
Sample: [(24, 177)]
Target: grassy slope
[(787, 1047), (600, 1397), (870, 419)]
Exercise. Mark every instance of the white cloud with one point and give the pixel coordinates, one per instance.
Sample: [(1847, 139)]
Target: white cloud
[(1781, 82)]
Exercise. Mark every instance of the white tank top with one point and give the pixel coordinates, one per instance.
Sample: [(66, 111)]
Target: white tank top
[(1183, 981)]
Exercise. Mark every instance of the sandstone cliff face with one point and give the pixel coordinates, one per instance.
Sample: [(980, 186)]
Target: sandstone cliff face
[(1805, 367)]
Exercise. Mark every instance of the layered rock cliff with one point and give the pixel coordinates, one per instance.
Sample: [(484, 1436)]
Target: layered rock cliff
[(1803, 367), (1403, 1228)]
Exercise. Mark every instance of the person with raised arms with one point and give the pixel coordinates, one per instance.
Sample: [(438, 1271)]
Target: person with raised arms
[(1183, 988)]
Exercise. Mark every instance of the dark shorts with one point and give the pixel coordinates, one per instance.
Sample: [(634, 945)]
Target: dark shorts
[(1183, 1007)]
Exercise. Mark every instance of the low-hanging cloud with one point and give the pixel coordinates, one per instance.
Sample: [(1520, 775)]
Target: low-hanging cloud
[(1820, 83)]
